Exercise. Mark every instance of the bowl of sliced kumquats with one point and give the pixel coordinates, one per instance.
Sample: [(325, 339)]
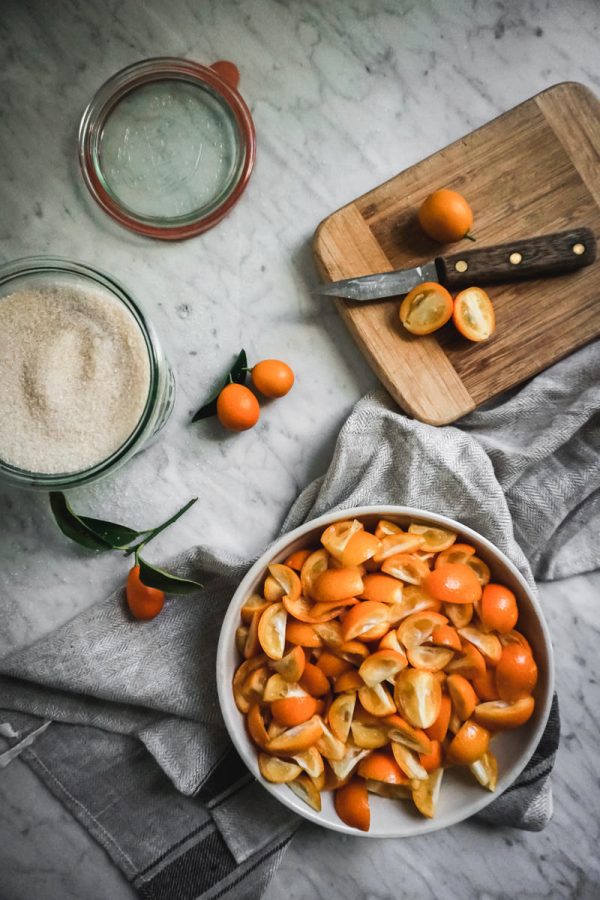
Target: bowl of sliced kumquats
[(384, 671)]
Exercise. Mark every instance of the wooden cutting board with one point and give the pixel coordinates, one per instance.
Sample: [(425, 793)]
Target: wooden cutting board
[(531, 171)]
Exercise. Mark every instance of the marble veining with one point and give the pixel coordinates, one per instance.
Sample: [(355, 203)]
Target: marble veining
[(344, 94)]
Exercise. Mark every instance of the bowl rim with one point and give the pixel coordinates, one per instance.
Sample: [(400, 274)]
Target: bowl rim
[(227, 633)]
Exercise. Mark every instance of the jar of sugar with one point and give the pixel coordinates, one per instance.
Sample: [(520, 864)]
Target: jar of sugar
[(84, 383)]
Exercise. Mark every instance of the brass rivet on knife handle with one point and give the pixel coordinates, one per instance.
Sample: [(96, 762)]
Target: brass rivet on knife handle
[(535, 257)]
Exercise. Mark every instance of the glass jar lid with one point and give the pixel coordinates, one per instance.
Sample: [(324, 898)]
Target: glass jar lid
[(167, 146)]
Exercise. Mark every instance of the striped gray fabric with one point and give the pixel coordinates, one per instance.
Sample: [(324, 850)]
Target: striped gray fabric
[(137, 750)]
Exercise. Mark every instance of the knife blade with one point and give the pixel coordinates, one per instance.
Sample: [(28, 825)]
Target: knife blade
[(536, 257)]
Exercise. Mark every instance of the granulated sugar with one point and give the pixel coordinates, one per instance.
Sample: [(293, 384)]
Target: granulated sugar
[(74, 377)]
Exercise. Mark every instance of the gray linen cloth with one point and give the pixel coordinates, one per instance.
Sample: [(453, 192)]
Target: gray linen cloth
[(136, 748)]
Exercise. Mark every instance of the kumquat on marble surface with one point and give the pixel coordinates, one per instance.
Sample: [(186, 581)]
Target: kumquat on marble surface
[(372, 663)]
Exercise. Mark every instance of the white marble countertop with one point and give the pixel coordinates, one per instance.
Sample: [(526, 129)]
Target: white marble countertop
[(344, 93)]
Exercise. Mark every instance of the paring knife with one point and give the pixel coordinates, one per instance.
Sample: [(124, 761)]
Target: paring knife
[(537, 257)]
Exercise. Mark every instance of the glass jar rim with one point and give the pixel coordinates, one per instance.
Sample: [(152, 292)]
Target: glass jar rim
[(33, 265), (216, 78)]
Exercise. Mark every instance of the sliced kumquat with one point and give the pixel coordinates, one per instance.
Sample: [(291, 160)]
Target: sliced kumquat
[(382, 588), (408, 761), (384, 527), (460, 614), (394, 544), (239, 678), (272, 590), (314, 566), (488, 644), (302, 633), (391, 791), (464, 699), (292, 711), (439, 729), (305, 789), (390, 642), (296, 560), (473, 314), (485, 770), (255, 684), (457, 553), (314, 681), (434, 539), (364, 619), (353, 651), (418, 696), (446, 636), (453, 583), (277, 771), (297, 739), (361, 547), (256, 725), (406, 567), (253, 604), (291, 666), (485, 685), (469, 743), (469, 663), (414, 599), (301, 609), (381, 666), (498, 715), (498, 608), (345, 766), (340, 715), (426, 793), (311, 762), (323, 612), (348, 681), (337, 536), (369, 736), (275, 729), (418, 628), (334, 585), (271, 630), (352, 804), (432, 760), (401, 732), (377, 700), (330, 633), (277, 688), (241, 635), (329, 745), (426, 308), (332, 665), (381, 767), (433, 659), (480, 568), (515, 637), (516, 673), (287, 580)]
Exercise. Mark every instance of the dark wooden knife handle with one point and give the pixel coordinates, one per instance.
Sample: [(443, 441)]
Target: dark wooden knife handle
[(549, 254)]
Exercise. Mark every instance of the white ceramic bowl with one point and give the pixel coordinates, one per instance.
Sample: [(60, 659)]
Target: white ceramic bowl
[(461, 796)]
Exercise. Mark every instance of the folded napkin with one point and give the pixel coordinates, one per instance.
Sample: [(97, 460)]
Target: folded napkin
[(136, 748)]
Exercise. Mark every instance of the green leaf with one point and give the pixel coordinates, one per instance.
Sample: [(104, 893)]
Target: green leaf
[(153, 532), (118, 536), (73, 526), (154, 577), (236, 374)]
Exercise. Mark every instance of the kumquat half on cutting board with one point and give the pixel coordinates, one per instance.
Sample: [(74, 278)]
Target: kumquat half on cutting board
[(372, 663)]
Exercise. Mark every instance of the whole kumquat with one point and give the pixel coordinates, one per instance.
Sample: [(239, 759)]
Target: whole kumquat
[(237, 408), (516, 673), (144, 602), (352, 804), (446, 216), (498, 608), (453, 583), (272, 377)]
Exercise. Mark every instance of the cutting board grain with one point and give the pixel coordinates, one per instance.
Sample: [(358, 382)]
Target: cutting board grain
[(533, 170)]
